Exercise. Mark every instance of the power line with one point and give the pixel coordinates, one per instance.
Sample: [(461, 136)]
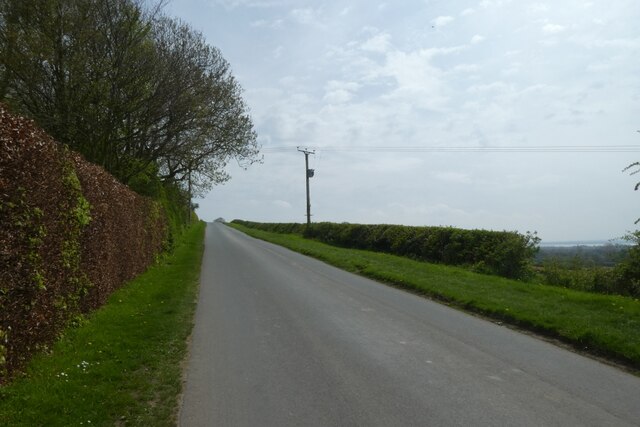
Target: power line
[(465, 149)]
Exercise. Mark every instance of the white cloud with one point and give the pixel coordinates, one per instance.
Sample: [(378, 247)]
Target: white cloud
[(304, 16), (337, 84), (378, 43), (537, 8), (441, 21), (477, 39), (512, 69), (338, 96), (466, 68), (453, 177), (339, 92), (438, 214), (599, 67), (467, 12), (631, 44), (253, 4), (389, 164), (435, 51), (282, 204), (489, 87), (493, 3), (419, 83), (553, 28), (262, 23)]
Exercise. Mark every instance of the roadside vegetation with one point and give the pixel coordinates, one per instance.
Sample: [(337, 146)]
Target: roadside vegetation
[(612, 270), (504, 253), (607, 270), (135, 91), (113, 116), (122, 364), (606, 255), (604, 325)]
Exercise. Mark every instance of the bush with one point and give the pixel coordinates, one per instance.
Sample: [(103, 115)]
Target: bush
[(623, 279), (507, 254), (70, 234), (627, 273)]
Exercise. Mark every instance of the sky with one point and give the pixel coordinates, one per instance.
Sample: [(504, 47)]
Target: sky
[(441, 85)]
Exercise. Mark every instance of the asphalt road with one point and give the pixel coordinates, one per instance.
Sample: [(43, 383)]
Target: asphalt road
[(284, 340)]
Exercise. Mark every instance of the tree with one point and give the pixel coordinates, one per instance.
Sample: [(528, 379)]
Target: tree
[(635, 168), (206, 121), (130, 89), (628, 271)]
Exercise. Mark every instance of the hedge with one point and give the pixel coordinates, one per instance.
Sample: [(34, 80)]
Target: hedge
[(504, 253), (70, 234)]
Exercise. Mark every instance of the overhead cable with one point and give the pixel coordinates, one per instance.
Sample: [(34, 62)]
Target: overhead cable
[(464, 149)]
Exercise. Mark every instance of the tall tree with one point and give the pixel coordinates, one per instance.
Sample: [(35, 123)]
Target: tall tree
[(207, 120), (125, 86)]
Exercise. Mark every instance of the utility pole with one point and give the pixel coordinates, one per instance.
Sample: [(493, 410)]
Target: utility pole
[(308, 174)]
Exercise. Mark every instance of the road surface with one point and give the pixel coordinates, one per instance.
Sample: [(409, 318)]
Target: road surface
[(284, 340)]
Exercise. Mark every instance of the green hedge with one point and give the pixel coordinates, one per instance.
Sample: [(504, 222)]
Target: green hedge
[(503, 253), (70, 234)]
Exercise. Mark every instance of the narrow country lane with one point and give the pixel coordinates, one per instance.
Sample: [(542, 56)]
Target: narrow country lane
[(284, 340)]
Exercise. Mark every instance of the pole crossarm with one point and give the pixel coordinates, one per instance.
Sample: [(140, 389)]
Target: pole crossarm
[(306, 151)]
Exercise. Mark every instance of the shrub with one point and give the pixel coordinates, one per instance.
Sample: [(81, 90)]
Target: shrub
[(70, 234), (619, 280), (627, 273), (503, 253)]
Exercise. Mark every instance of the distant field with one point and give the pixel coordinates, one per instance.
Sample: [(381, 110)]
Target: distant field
[(577, 243), (603, 325), (606, 255)]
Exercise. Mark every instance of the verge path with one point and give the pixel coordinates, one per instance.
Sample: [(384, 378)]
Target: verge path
[(284, 340)]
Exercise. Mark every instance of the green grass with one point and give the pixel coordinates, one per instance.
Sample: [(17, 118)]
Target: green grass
[(123, 365), (604, 325)]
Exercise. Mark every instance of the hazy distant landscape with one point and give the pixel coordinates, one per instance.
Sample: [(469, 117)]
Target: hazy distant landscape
[(604, 254), (576, 243)]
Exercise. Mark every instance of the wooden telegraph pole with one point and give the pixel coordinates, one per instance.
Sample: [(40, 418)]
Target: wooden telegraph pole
[(308, 174)]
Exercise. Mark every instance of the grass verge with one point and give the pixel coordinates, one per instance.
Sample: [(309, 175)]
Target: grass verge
[(603, 325), (123, 365)]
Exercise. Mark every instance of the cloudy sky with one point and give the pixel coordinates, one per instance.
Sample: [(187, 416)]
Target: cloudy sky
[(443, 86)]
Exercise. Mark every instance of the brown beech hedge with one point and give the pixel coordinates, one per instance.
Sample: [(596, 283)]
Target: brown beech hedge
[(502, 253), (70, 234)]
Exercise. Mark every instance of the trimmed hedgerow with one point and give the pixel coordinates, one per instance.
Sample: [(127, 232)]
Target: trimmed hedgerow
[(70, 234), (503, 253)]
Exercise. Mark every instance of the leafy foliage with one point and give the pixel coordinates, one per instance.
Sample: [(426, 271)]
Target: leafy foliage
[(147, 101), (121, 367), (126, 87), (507, 254), (70, 234), (607, 255), (634, 168), (629, 269)]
